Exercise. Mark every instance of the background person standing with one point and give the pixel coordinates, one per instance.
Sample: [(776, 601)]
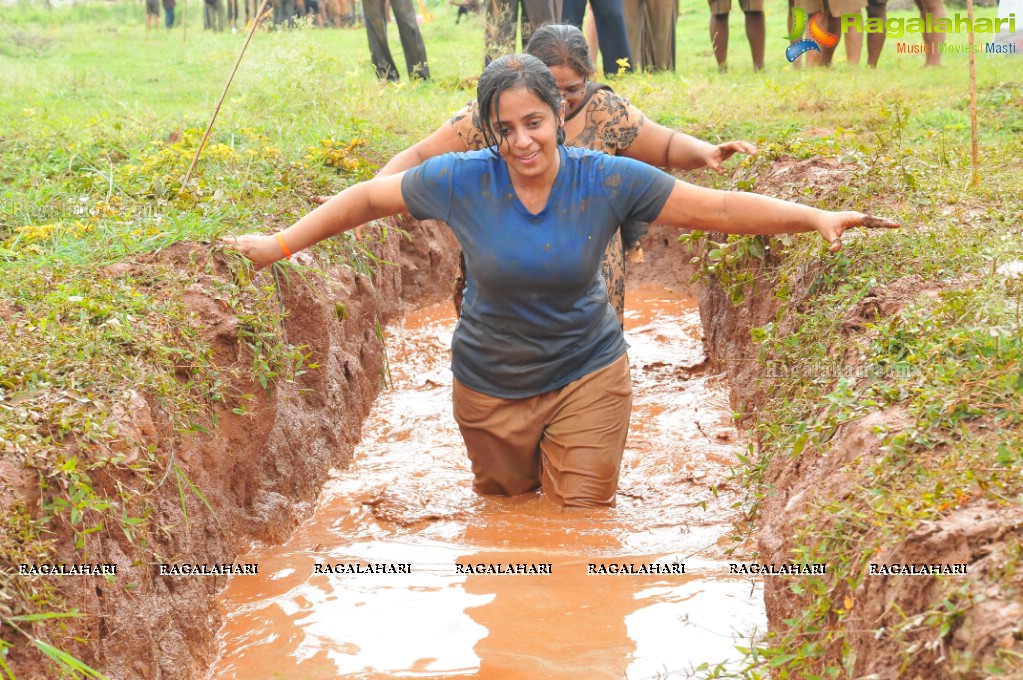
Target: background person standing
[(503, 24), (152, 14), (408, 31), (168, 12), (756, 31), (609, 17), (834, 10), (650, 25), (214, 15)]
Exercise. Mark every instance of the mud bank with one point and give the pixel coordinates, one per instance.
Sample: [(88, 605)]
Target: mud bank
[(878, 626), (260, 471)]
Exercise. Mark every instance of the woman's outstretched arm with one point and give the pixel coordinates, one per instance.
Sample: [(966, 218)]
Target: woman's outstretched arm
[(738, 212), (666, 148), (354, 206)]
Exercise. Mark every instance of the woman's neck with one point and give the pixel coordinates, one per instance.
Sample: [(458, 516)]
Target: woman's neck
[(533, 191)]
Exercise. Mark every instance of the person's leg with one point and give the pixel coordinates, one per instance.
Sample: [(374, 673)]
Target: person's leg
[(536, 13), (934, 40), (719, 10), (853, 43), (573, 11), (584, 440), (853, 39), (876, 9), (590, 31), (170, 18), (756, 30), (376, 32), (219, 7), (828, 53), (634, 12), (811, 7), (501, 439), (756, 34), (659, 34), (499, 34), (614, 43), (411, 39)]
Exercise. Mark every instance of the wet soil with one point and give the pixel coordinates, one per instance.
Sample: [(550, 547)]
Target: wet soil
[(407, 499)]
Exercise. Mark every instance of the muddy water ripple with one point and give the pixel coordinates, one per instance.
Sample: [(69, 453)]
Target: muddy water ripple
[(406, 499)]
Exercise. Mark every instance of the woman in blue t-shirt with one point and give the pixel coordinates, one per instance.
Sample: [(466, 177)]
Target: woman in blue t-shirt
[(541, 393)]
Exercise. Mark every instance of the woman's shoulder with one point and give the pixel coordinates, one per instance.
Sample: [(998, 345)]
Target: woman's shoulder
[(593, 161), (604, 98), (471, 161), (612, 123), (465, 121)]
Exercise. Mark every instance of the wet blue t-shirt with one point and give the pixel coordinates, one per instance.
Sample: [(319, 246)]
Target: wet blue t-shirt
[(535, 314)]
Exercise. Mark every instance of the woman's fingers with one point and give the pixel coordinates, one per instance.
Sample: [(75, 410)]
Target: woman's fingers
[(871, 222), (722, 152), (742, 147), (261, 249), (319, 200), (834, 228)]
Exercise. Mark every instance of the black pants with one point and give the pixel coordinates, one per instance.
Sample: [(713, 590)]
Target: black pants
[(408, 31), (610, 20)]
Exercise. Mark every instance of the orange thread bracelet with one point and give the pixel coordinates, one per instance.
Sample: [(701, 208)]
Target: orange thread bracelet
[(284, 246)]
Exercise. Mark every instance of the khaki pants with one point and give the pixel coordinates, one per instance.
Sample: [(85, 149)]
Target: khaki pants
[(568, 441), (651, 28)]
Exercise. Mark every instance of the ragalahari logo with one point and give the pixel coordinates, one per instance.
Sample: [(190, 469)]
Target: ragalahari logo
[(820, 37)]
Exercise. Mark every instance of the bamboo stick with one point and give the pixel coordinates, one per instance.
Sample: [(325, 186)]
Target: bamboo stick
[(227, 86)]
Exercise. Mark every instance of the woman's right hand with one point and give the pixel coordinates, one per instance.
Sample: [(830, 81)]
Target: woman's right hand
[(262, 249)]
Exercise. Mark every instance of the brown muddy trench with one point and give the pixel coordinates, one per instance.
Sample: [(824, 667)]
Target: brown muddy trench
[(406, 498)]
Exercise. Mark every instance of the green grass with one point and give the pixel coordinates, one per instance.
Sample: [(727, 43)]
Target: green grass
[(99, 122)]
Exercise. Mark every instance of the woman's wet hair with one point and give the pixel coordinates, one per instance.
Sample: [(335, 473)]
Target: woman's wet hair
[(507, 73), (562, 45)]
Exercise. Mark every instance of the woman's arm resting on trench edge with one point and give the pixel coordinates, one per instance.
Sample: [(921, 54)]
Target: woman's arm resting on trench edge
[(665, 148), (353, 207), (737, 212)]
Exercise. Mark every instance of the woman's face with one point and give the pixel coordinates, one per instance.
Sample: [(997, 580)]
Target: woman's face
[(571, 84), (528, 131)]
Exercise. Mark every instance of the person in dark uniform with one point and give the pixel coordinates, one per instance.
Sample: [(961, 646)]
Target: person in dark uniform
[(408, 31)]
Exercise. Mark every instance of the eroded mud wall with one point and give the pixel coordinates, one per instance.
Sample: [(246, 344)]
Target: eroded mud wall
[(259, 470)]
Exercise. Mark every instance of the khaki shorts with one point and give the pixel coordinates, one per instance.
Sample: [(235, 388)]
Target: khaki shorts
[(725, 6), (834, 8), (568, 441)]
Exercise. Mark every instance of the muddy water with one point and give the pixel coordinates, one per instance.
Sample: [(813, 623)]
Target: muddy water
[(406, 499)]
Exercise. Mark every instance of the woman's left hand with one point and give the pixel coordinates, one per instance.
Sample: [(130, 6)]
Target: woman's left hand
[(717, 155), (833, 224)]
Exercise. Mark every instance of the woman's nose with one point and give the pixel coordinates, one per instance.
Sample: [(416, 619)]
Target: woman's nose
[(522, 138)]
